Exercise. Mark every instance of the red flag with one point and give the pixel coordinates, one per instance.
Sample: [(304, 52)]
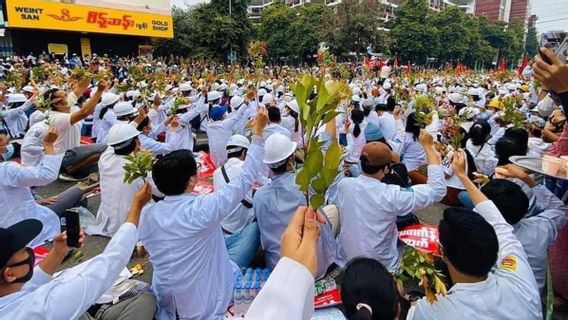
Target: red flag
[(522, 66), (408, 69), (502, 65)]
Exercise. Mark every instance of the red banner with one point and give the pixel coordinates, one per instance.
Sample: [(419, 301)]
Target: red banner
[(422, 237)]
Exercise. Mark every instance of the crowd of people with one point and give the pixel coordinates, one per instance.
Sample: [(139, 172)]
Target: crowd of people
[(409, 141)]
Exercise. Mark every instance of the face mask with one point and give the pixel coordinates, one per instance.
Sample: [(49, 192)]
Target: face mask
[(30, 262), (9, 152)]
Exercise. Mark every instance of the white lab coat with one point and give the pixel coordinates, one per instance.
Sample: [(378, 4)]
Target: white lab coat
[(219, 133), (240, 216), (69, 135), (507, 293), (116, 196), (370, 207), (193, 276), (17, 201), (32, 145), (185, 138), (72, 293), (412, 153), (109, 120)]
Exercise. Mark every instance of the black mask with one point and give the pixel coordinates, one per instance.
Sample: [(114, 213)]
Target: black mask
[(30, 261)]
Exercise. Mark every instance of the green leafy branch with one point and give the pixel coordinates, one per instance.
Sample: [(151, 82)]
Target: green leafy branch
[(137, 166), (511, 114), (320, 169)]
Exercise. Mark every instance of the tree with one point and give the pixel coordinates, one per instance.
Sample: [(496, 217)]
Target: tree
[(414, 36), (453, 33), (515, 33), (276, 22), (355, 26), (531, 45), (183, 32), (309, 29), (480, 52)]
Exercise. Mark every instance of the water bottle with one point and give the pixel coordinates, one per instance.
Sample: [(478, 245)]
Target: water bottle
[(247, 297), (238, 300), (256, 289)]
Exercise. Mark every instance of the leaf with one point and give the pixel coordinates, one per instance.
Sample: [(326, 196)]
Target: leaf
[(330, 115), (323, 98), (329, 175), (303, 180), (319, 185), (317, 200), (333, 156), (313, 162)]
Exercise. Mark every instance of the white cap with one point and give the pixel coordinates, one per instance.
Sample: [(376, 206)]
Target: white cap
[(214, 95), (267, 98), (439, 90), (262, 84), (262, 92), (236, 102), (455, 97), (287, 97), (278, 148), (356, 98), (28, 89), (16, 98), (238, 140), (293, 105), (473, 92), (109, 98), (367, 102), (222, 87), (186, 86), (387, 86), (121, 132), (133, 94), (123, 109)]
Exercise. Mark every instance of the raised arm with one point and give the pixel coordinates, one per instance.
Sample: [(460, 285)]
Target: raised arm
[(90, 105)]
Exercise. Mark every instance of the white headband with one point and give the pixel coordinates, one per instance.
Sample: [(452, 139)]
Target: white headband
[(366, 306)]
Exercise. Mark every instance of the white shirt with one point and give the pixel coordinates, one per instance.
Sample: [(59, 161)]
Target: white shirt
[(374, 118), (71, 294), (385, 71), (370, 208), (276, 128), (356, 144), (538, 232), (412, 153), (193, 275), (69, 135), (185, 138), (32, 144), (387, 125), (159, 148), (116, 196), (108, 120), (537, 147), (507, 293), (483, 156), (17, 201), (219, 133), (240, 216), (15, 119)]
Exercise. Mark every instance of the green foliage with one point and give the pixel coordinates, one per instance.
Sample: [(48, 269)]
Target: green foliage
[(137, 166), (511, 114), (415, 36), (531, 43), (320, 169)]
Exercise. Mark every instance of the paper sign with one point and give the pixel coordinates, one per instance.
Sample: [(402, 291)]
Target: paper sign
[(422, 237), (203, 187), (207, 165), (327, 299)]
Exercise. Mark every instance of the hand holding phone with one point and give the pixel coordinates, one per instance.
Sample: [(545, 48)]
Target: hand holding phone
[(73, 228)]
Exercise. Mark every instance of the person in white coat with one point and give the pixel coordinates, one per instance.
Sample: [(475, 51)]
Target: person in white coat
[(193, 275), (116, 195), (487, 264), (241, 233), (34, 293), (370, 227), (16, 199), (219, 131)]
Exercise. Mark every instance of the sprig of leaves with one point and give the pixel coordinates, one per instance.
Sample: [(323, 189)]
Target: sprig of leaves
[(137, 166), (418, 265), (511, 114)]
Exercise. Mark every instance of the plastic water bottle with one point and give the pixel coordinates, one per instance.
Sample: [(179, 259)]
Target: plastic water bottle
[(238, 301), (247, 297), (256, 288)]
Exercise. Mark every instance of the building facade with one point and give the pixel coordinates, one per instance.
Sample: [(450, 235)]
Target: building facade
[(504, 10)]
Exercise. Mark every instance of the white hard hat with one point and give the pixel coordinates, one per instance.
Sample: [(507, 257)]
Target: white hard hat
[(387, 86), (293, 105), (262, 92), (356, 91), (267, 98), (236, 102), (214, 95), (222, 87), (121, 132), (16, 98), (278, 148), (356, 98), (421, 87), (28, 89), (455, 97), (367, 102), (109, 98), (186, 86), (262, 84), (439, 90), (237, 140), (123, 109), (287, 97), (473, 92)]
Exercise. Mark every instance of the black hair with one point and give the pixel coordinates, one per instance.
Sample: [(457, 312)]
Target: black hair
[(274, 115), (357, 117), (468, 241), (412, 126), (282, 168), (294, 115), (382, 107), (479, 132), (505, 148), (370, 169), (143, 124), (509, 198), (124, 151), (236, 154), (521, 136), (172, 172), (367, 111), (48, 96), (105, 109), (367, 281), (391, 103)]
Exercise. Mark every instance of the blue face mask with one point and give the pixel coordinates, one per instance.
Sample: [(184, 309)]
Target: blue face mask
[(9, 152)]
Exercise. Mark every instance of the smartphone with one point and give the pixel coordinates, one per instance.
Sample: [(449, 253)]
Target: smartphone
[(553, 41), (73, 228)]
